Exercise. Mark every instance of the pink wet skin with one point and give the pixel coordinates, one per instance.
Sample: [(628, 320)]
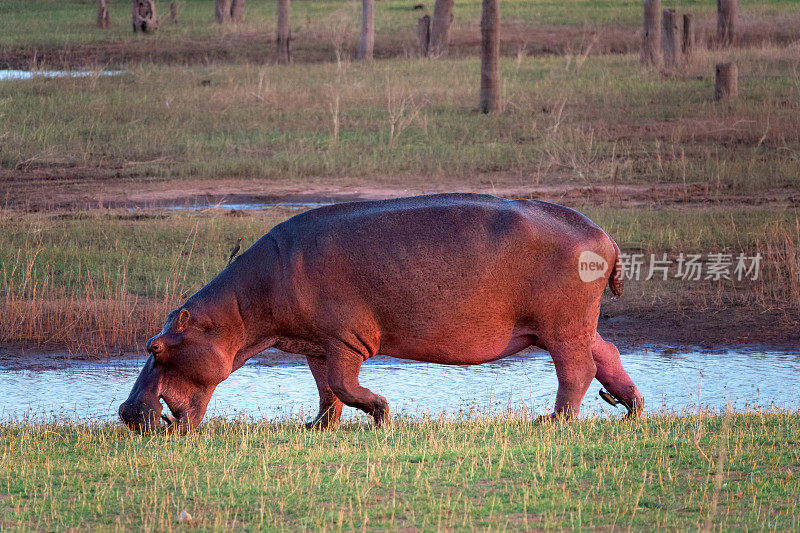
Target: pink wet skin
[(449, 278)]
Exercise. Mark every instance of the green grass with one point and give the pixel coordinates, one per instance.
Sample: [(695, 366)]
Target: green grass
[(663, 472), (588, 125)]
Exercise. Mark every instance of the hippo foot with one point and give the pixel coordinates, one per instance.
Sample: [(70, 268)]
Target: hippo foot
[(544, 419), (551, 418), (381, 418), (635, 408), (321, 423), (318, 425)]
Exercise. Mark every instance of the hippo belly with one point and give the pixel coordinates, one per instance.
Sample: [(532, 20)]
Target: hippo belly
[(465, 350)]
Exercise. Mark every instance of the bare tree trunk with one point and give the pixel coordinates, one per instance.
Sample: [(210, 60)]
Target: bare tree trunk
[(490, 57), (727, 13), (174, 11), (144, 16), (102, 14), (651, 33), (440, 31), (687, 43), (284, 34), (669, 38), (366, 42), (237, 11), (727, 81), (423, 35), (222, 11)]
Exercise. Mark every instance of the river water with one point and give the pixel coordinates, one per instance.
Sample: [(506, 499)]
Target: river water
[(275, 386)]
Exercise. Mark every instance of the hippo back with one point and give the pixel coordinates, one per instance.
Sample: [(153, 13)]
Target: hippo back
[(449, 273)]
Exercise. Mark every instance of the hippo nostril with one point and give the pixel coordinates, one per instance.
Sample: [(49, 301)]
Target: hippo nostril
[(154, 347)]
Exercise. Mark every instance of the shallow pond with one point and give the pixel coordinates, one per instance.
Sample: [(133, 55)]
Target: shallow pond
[(31, 74), (247, 206), (276, 385)]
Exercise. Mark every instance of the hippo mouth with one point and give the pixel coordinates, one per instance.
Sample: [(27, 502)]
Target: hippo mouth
[(174, 419)]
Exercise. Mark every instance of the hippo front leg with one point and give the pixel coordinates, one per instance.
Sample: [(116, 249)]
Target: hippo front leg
[(342, 369), (330, 407)]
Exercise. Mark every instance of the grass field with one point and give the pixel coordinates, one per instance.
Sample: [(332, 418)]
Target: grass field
[(670, 472), (396, 123)]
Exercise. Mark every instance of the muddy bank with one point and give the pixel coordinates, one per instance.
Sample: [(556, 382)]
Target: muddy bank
[(634, 327), (65, 189), (629, 327)]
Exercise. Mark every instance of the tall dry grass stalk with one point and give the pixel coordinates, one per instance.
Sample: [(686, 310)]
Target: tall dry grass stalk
[(95, 314), (782, 265), (402, 109)]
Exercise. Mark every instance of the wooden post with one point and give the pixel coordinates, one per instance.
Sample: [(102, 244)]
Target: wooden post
[(366, 42), (102, 14), (727, 81), (144, 16), (440, 30), (222, 11), (423, 35), (651, 33), (727, 13), (284, 33), (174, 11), (490, 57), (669, 38), (237, 11), (687, 43)]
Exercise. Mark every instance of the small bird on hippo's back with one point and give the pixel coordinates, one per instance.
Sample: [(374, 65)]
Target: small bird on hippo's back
[(235, 250)]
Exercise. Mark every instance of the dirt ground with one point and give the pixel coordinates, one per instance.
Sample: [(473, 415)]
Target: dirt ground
[(61, 189)]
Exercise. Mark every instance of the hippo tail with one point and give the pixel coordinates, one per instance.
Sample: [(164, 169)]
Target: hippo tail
[(616, 282)]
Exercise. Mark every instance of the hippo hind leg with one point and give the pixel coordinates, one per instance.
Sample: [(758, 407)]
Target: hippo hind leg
[(614, 378), (343, 367), (330, 407), (575, 369)]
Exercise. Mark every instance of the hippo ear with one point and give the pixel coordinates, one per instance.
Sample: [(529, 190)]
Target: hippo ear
[(183, 319)]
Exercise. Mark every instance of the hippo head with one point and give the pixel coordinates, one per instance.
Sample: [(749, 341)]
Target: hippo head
[(188, 359)]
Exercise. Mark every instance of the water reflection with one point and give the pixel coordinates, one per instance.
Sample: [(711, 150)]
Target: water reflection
[(275, 385)]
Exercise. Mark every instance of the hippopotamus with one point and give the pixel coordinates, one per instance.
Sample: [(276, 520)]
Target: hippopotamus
[(457, 279)]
